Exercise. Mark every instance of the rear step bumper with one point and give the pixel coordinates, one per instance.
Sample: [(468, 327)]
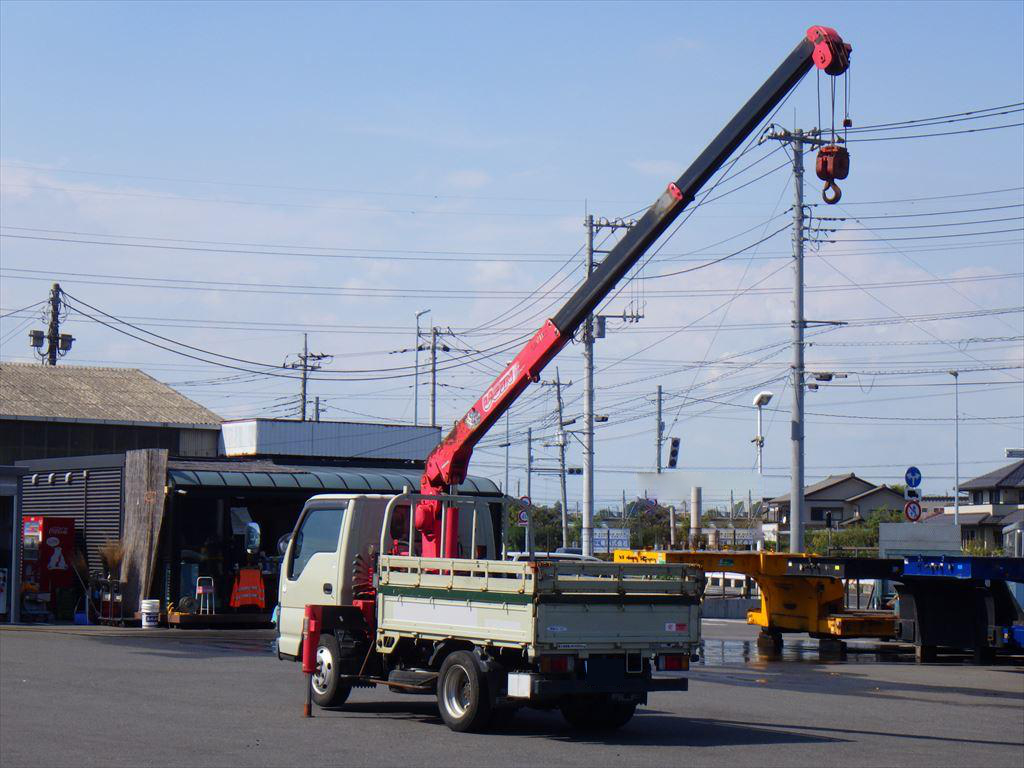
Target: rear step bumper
[(541, 687)]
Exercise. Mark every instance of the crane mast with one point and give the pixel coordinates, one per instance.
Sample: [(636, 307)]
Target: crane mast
[(448, 463)]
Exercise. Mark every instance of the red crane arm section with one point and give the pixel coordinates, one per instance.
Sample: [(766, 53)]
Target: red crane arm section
[(448, 464)]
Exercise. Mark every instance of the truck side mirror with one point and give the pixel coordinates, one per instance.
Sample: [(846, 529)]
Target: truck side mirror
[(252, 538), (282, 543)]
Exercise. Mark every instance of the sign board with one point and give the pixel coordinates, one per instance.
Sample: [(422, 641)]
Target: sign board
[(524, 519), (610, 539), (912, 494), (912, 511), (913, 477)]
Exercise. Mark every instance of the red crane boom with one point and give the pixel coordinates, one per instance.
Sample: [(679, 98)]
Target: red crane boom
[(448, 463)]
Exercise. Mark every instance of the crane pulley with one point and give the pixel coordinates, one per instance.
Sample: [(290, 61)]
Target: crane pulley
[(833, 163)]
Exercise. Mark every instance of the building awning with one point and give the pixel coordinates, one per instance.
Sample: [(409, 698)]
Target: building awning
[(313, 479)]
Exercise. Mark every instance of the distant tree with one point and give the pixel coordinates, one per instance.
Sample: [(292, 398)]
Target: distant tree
[(862, 536)]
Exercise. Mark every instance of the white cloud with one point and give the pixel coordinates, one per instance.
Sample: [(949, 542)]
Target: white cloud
[(468, 179)]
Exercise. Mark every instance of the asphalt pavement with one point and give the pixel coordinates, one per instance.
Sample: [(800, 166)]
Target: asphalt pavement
[(91, 696)]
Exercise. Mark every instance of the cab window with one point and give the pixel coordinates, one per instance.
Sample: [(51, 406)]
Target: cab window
[(319, 533)]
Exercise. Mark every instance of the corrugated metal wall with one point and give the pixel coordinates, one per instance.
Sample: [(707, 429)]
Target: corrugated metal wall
[(92, 498), (198, 442), (328, 439)]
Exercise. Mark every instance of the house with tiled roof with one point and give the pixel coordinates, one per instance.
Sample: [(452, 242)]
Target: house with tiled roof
[(996, 500), (843, 500)]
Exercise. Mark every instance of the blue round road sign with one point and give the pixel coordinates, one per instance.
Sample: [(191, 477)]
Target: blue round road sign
[(913, 477)]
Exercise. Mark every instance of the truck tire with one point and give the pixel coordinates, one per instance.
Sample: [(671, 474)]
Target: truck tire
[(597, 712), (463, 697), (328, 691)]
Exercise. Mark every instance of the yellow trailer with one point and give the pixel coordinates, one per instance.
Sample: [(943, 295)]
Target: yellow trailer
[(789, 602)]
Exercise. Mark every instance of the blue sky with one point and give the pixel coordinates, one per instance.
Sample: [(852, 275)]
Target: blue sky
[(492, 129)]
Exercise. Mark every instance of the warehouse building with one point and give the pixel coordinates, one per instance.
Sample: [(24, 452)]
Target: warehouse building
[(181, 518), (69, 410)]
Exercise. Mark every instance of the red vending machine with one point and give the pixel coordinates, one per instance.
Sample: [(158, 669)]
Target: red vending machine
[(48, 548)]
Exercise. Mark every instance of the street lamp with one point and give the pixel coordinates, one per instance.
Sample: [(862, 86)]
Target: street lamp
[(416, 384), (956, 447), (762, 399)]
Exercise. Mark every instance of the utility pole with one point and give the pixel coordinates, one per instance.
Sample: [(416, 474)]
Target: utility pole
[(416, 383), (587, 527), (433, 376), (316, 408), (53, 330), (307, 362), (956, 447), (507, 444), (561, 460), (57, 344), (659, 433), (797, 139), (529, 463), (796, 489)]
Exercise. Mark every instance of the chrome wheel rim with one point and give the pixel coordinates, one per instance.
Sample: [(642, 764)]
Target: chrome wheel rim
[(324, 670), (457, 691)]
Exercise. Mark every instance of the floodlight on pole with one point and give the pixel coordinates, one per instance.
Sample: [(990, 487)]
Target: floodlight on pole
[(762, 399)]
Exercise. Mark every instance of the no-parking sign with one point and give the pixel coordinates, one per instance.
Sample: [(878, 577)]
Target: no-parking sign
[(912, 511)]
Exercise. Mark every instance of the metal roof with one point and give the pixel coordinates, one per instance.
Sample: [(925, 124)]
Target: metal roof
[(93, 394), (213, 474)]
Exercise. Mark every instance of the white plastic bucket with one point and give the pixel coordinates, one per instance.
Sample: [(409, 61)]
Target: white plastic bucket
[(150, 610)]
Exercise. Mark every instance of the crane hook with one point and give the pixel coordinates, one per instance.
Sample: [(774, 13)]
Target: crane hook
[(837, 193)]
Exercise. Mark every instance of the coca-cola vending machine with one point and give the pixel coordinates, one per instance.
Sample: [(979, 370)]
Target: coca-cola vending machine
[(48, 548)]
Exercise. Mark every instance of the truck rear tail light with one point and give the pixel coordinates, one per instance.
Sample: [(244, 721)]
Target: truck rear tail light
[(557, 665), (673, 662)]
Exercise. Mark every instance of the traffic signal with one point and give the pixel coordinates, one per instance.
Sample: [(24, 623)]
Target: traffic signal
[(673, 453), (574, 471)]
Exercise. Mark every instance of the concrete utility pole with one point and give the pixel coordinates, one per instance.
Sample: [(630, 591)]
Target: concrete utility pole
[(433, 376), (307, 362), (57, 344), (529, 463), (561, 460), (53, 330), (316, 408), (507, 444), (956, 447), (416, 383), (796, 491), (587, 527), (305, 372), (797, 140), (659, 433)]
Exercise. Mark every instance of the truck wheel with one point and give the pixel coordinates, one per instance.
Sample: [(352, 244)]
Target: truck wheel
[(597, 713), (462, 695), (328, 691)]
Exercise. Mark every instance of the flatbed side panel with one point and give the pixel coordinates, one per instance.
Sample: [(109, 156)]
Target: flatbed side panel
[(435, 613), (582, 626)]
